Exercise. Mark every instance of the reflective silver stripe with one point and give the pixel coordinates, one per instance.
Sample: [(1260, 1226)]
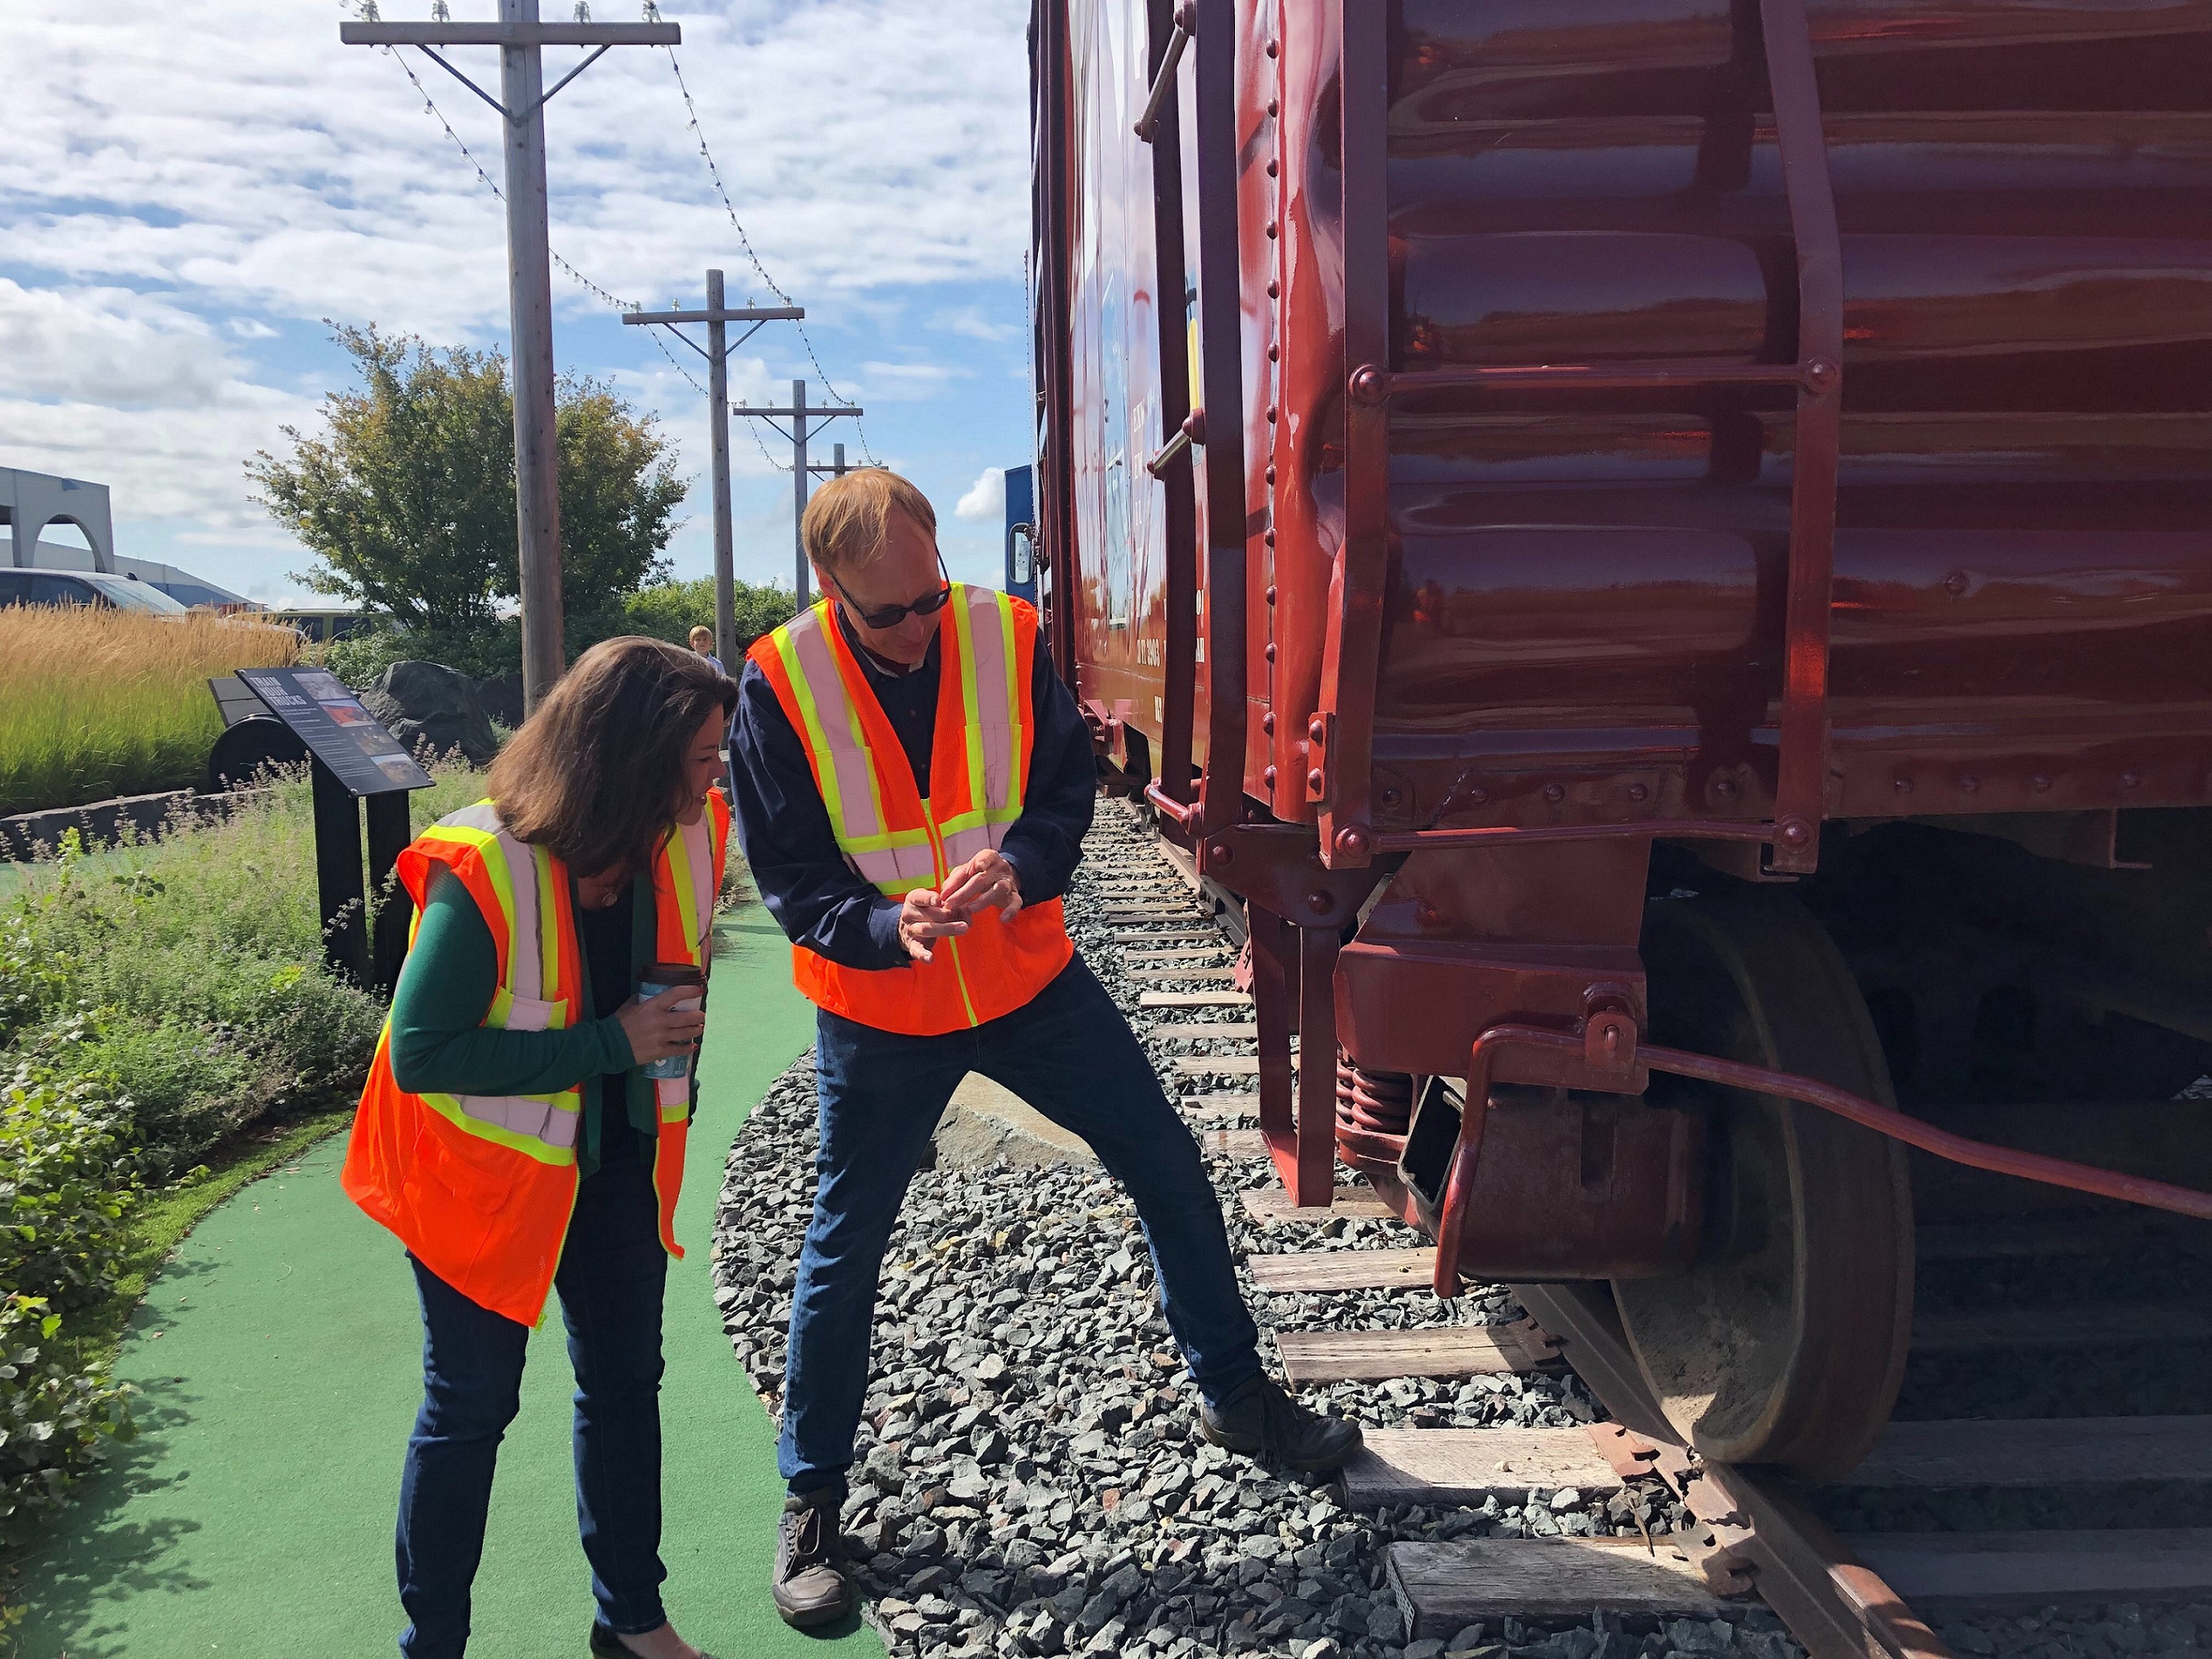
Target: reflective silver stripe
[(699, 853), (896, 864), (964, 844), (856, 780), (988, 631), (672, 1090), (520, 1114), (525, 955)]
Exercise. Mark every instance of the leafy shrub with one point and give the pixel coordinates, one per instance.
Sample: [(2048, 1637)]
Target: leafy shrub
[(665, 611), (97, 704), (53, 1415), (66, 1184)]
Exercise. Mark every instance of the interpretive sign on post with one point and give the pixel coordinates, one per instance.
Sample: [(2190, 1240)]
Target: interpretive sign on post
[(352, 757)]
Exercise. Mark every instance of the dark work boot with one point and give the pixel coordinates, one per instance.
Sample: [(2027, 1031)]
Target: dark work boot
[(809, 1586), (1262, 1421)]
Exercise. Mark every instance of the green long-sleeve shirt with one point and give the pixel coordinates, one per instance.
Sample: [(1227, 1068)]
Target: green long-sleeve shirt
[(441, 1045)]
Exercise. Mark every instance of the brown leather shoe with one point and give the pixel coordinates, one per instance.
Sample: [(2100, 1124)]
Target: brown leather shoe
[(1262, 1421), (809, 1586)]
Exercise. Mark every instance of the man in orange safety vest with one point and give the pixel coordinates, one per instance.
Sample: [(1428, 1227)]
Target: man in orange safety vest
[(912, 785)]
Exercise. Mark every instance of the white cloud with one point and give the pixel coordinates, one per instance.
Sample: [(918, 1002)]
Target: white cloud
[(986, 498)]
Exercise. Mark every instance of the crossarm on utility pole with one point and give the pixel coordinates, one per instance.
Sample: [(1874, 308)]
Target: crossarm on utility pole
[(514, 34)]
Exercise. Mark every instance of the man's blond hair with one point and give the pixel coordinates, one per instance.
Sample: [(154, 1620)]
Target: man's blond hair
[(849, 516)]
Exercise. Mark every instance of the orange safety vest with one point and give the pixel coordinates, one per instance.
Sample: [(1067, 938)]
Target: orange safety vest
[(979, 766), (480, 1187)]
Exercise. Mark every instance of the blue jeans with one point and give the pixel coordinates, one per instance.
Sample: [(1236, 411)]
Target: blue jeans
[(610, 1279), (1070, 1055)]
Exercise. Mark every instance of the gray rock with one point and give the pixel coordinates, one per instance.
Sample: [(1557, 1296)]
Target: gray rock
[(426, 705)]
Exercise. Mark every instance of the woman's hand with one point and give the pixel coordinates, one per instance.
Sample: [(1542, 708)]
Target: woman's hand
[(658, 1031)]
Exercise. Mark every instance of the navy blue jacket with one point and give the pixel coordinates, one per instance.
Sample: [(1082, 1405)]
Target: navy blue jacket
[(817, 898)]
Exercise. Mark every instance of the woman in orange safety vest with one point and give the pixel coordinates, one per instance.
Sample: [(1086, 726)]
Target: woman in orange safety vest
[(510, 1134)]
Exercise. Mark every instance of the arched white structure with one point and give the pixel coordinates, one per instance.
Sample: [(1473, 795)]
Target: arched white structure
[(29, 501)]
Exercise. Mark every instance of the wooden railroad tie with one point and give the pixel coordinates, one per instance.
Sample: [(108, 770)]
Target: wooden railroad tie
[(1444, 1351), (1343, 1270), (1194, 975), (1232, 1143), (1173, 935), (1351, 1203), (1227, 1031), (1193, 998), (2022, 1570), (1220, 1108), (1222, 1065), (1466, 1465), (1442, 1589), (1184, 953)]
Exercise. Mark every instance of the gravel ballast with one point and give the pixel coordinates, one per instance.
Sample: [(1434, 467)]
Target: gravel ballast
[(1028, 1478)]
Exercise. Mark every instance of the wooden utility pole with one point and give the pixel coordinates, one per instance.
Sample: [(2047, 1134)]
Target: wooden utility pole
[(716, 351), (837, 468), (798, 415), (521, 37)]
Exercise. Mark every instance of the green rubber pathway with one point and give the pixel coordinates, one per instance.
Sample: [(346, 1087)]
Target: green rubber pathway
[(280, 1360)]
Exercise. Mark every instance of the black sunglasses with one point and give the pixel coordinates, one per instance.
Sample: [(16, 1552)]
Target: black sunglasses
[(892, 615)]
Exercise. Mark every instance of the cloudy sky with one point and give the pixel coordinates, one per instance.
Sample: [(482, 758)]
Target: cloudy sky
[(190, 195)]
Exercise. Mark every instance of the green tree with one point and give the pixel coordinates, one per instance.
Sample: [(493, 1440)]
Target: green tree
[(669, 610), (407, 501)]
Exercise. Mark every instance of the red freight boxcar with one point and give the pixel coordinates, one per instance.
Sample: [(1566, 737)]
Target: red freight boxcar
[(1644, 539)]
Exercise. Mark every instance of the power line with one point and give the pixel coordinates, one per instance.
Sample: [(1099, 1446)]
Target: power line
[(584, 283), (714, 172)]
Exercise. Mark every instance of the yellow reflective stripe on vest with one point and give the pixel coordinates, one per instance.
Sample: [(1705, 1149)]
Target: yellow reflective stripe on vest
[(835, 735), (971, 714), (540, 1127)]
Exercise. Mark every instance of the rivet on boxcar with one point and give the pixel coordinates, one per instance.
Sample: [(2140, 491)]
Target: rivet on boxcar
[(1795, 831), (2039, 782), (1274, 230), (1821, 374), (2129, 780), (1393, 795), (1352, 840), (1903, 786), (1271, 412), (1955, 583), (1270, 650), (1271, 475), (1267, 777), (1555, 792), (1724, 787), (1318, 731), (1478, 798), (1271, 599), (1269, 537), (1274, 107), (1638, 792), (1267, 722), (1274, 47), (1274, 354), (1274, 290), (1223, 853), (1273, 167), (1370, 385), (1969, 784), (1425, 913), (1319, 900), (1315, 779)]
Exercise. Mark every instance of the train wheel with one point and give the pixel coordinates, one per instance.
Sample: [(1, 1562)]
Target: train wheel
[(1785, 1343)]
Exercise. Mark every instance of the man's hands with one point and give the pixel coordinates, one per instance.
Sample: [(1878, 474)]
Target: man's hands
[(657, 1032), (986, 882)]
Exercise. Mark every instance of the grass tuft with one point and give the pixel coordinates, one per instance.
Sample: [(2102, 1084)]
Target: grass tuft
[(95, 703)]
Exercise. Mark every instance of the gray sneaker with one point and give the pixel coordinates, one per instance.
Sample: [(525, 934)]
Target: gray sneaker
[(809, 1586), (1262, 1421)]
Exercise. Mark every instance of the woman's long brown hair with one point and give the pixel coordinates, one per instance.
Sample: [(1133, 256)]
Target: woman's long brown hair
[(595, 775)]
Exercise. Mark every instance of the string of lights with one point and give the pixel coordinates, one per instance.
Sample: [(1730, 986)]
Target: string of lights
[(613, 299), (691, 111)]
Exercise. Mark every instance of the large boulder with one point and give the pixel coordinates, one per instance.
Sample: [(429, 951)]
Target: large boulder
[(502, 700), (428, 705)]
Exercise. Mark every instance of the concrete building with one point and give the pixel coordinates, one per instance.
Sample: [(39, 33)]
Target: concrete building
[(31, 501)]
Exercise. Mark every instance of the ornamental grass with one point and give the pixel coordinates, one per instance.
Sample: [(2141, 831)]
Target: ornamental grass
[(96, 703)]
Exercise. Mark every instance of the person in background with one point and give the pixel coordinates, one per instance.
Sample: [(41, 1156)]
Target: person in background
[(912, 785), (507, 1136), (702, 641)]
